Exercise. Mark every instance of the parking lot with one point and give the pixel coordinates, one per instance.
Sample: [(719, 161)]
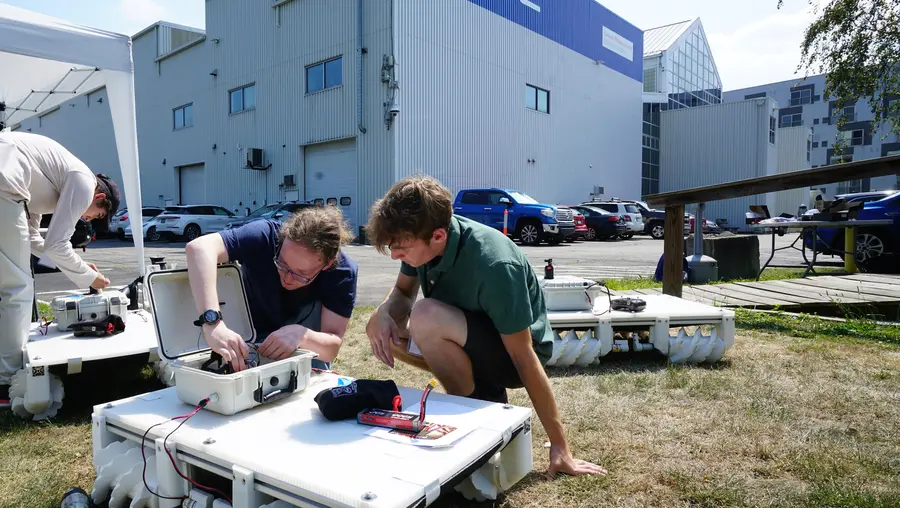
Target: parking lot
[(632, 258)]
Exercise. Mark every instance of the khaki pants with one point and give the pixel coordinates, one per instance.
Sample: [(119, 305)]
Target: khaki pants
[(16, 287)]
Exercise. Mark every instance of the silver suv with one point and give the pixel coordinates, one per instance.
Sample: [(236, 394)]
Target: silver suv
[(628, 212)]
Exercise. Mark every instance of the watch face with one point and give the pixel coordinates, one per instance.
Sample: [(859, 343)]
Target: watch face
[(210, 316)]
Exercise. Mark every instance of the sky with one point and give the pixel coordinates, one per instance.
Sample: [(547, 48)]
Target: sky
[(753, 42)]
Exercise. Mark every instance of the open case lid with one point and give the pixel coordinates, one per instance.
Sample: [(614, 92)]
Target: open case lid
[(174, 311)]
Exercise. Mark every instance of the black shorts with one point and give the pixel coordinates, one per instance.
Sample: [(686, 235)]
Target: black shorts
[(492, 367)]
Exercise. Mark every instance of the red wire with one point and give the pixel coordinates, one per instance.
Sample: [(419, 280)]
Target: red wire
[(174, 465), (183, 419)]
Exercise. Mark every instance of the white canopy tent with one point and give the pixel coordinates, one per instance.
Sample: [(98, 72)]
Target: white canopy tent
[(44, 60)]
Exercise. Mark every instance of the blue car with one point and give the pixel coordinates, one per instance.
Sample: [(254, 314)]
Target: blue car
[(875, 246)]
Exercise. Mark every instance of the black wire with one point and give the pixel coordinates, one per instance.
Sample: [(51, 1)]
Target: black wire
[(208, 490), (608, 296), (144, 471)]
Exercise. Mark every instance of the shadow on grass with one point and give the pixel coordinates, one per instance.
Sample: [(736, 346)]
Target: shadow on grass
[(632, 362), (99, 382)]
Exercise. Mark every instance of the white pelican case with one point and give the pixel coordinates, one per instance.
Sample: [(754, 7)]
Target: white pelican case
[(74, 309), (182, 343)]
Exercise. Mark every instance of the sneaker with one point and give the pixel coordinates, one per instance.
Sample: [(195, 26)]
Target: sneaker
[(4, 396)]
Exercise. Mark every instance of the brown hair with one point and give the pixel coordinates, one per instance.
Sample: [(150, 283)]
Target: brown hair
[(413, 208), (320, 229)]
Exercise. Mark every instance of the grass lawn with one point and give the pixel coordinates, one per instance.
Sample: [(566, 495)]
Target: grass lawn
[(768, 274), (798, 413)]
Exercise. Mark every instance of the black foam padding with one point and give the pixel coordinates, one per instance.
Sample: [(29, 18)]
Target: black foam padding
[(344, 402)]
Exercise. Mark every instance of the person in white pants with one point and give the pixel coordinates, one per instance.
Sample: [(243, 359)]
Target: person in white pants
[(39, 176)]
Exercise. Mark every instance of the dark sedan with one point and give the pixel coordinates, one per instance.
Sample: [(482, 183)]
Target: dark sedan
[(279, 212), (600, 223)]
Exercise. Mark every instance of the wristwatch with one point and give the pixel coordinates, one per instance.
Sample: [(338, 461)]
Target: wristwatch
[(208, 317)]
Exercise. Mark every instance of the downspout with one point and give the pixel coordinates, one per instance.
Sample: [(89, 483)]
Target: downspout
[(359, 55), (395, 135)]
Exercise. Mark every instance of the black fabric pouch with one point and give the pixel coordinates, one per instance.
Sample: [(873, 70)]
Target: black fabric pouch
[(345, 402), (110, 325)]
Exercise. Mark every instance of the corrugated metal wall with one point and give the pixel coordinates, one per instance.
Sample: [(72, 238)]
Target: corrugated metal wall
[(714, 144), (463, 74), (160, 87), (271, 47), (793, 147)]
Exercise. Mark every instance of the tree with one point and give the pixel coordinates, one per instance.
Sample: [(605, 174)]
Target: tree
[(856, 44)]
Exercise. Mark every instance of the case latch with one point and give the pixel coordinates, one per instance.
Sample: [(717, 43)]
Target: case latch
[(277, 394)]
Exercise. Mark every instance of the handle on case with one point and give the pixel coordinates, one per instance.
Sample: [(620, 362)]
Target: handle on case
[(277, 394)]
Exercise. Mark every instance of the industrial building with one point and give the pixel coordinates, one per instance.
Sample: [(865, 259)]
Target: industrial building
[(740, 141), (802, 104), (334, 100), (679, 72)]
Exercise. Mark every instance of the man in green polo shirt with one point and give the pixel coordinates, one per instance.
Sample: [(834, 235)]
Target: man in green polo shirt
[(482, 325)]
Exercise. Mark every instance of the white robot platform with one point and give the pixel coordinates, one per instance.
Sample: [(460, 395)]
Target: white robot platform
[(37, 394), (586, 328), (287, 453)]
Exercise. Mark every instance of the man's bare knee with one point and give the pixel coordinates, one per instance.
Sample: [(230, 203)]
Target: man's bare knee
[(432, 320)]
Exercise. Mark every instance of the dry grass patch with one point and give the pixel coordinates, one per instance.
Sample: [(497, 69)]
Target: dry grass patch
[(781, 421)]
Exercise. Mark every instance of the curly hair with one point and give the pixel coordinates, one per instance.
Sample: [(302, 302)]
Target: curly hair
[(319, 229), (413, 208)]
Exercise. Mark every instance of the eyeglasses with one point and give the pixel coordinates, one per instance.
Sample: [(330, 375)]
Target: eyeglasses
[(282, 269)]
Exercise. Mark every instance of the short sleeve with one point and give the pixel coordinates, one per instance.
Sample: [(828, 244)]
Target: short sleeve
[(505, 298), (248, 241), (408, 270), (337, 287)]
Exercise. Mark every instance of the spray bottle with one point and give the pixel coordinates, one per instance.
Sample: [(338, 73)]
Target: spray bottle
[(548, 270)]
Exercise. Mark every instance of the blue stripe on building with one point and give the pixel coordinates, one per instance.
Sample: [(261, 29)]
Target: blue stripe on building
[(578, 25)]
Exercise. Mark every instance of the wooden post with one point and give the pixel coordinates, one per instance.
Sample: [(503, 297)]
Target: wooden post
[(673, 250)]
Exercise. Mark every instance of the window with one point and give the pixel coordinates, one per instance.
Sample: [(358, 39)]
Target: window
[(608, 208), (294, 208), (848, 114), (838, 159), (474, 198), (853, 138), (794, 120), (892, 108), (808, 147), (772, 130), (799, 97), (218, 210), (523, 199), (815, 144), (243, 99), (345, 201), (816, 121), (537, 99), (184, 116), (265, 211), (824, 144), (324, 75), (495, 197), (851, 187)]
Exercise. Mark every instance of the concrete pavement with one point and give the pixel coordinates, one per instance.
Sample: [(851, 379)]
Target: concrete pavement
[(377, 273)]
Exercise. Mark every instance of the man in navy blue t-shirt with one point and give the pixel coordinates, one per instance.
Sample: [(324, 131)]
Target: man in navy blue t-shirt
[(300, 286)]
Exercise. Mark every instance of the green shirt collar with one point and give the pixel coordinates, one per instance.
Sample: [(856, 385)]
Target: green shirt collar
[(452, 250)]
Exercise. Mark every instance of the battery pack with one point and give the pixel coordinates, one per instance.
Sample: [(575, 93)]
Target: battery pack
[(390, 419)]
